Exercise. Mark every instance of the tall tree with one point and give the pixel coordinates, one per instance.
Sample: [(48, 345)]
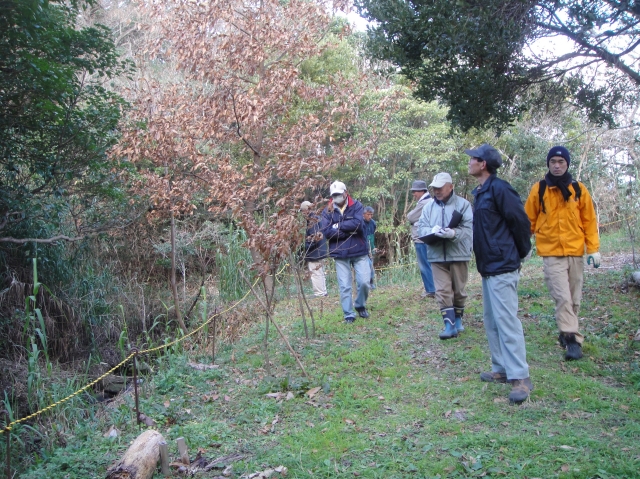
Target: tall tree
[(57, 121), (483, 58), (242, 118), (411, 140)]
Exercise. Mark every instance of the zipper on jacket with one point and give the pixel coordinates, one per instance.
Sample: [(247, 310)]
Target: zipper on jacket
[(444, 243)]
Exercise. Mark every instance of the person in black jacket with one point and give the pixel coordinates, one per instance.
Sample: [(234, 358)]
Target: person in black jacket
[(315, 250), (501, 241), (343, 226)]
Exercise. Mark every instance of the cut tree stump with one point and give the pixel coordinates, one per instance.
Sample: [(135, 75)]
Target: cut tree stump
[(141, 459)]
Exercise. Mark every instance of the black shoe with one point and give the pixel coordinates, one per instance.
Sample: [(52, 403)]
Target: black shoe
[(574, 351), (362, 312), (349, 320), (573, 347)]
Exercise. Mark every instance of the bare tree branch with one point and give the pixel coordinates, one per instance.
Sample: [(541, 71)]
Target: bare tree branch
[(608, 57), (235, 113)]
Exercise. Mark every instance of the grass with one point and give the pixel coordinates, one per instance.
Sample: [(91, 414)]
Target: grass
[(394, 401)]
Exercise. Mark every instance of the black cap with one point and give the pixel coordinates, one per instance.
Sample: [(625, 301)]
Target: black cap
[(559, 151), (487, 153)]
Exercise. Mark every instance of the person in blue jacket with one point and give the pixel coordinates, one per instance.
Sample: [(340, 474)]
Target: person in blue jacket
[(501, 242), (315, 250), (343, 228)]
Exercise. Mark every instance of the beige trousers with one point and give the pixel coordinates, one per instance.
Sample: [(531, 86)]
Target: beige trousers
[(318, 282), (564, 277), (450, 279)]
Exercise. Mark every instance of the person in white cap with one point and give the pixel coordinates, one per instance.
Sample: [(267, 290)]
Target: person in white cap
[(449, 219), (315, 250), (343, 227)]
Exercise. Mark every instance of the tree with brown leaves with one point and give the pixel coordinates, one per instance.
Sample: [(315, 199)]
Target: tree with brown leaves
[(236, 117)]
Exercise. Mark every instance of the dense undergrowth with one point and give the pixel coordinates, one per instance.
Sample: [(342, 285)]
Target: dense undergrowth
[(387, 398)]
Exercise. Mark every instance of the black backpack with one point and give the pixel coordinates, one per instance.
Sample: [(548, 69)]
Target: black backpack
[(542, 186)]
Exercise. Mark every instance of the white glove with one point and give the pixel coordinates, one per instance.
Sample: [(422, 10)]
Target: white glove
[(446, 233), (596, 259), (335, 226), (436, 229)]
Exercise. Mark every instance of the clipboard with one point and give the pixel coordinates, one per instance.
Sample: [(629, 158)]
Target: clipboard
[(431, 238)]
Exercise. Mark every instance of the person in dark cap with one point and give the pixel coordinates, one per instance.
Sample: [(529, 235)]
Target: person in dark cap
[(564, 222), (421, 195), (315, 249), (501, 241), (448, 221)]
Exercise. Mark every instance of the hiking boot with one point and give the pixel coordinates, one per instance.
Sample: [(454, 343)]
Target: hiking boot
[(492, 377), (561, 340), (362, 312), (349, 320), (427, 295), (520, 390), (573, 347)]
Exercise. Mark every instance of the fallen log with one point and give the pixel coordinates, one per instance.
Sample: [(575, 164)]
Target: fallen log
[(141, 459)]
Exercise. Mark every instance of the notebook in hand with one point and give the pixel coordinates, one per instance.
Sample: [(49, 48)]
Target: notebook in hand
[(433, 239)]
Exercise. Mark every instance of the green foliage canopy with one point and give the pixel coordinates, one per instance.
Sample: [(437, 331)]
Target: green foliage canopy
[(57, 118), (475, 57)]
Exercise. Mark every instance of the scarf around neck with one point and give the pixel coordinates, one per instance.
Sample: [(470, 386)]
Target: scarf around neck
[(562, 182)]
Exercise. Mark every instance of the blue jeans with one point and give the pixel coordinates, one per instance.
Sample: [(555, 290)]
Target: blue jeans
[(345, 279), (372, 281), (503, 328), (425, 268)]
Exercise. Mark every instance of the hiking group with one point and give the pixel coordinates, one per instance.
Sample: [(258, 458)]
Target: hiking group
[(446, 229)]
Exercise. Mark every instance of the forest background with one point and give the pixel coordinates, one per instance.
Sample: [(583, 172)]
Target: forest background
[(154, 155)]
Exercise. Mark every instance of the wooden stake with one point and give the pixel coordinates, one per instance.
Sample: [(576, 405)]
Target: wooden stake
[(135, 385), (182, 449), (164, 458)]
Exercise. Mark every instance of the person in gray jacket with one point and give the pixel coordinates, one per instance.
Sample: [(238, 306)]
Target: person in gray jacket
[(447, 222), (421, 195)]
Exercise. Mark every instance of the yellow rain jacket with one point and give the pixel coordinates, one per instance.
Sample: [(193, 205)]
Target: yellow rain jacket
[(567, 226)]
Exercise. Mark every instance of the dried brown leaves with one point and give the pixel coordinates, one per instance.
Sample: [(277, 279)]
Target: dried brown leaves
[(222, 112)]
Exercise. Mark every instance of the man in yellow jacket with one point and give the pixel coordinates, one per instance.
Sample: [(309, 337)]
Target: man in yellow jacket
[(564, 222)]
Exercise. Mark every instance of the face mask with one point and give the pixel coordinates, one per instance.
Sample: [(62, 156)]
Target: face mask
[(338, 199)]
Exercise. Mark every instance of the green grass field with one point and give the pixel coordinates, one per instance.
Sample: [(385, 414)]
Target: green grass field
[(387, 399)]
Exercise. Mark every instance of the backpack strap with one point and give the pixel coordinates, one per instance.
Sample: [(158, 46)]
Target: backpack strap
[(542, 186), (577, 189)]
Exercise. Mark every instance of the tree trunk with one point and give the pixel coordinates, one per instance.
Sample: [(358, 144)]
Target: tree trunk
[(141, 459)]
